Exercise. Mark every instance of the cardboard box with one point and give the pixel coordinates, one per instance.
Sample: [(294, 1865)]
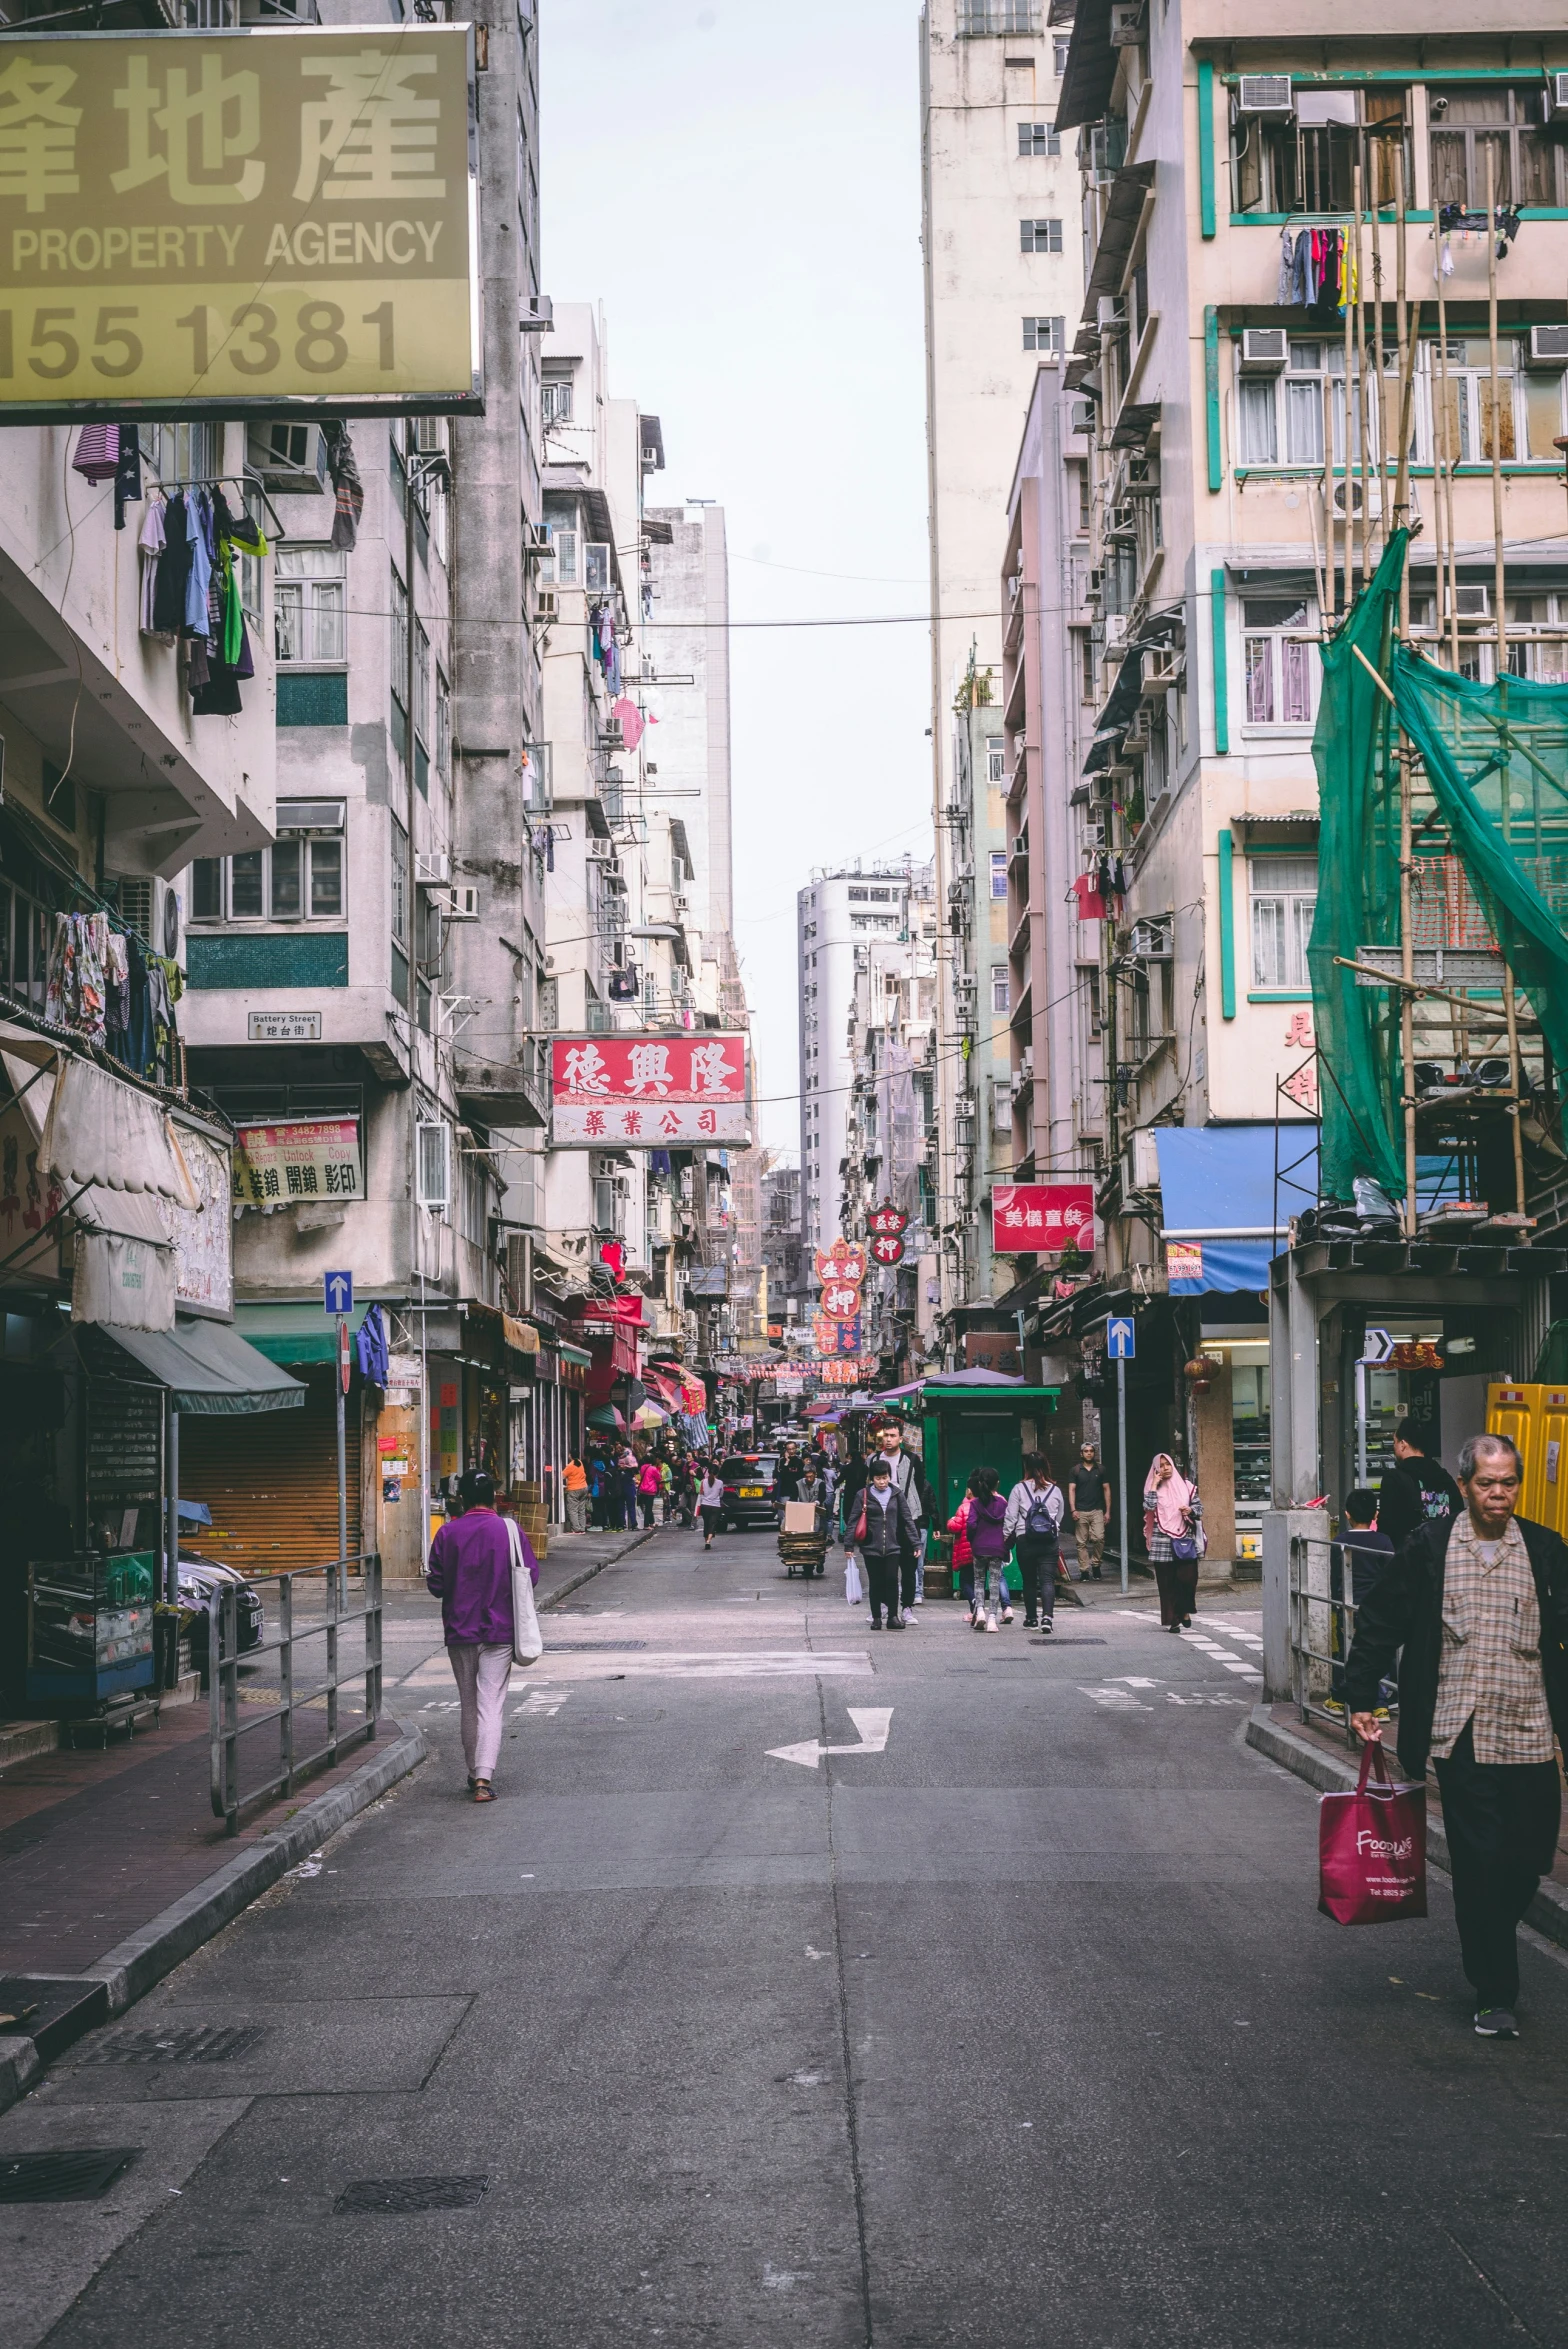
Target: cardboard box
[(800, 1517)]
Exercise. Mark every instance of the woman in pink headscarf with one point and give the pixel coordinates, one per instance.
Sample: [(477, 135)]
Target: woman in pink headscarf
[(1172, 1516)]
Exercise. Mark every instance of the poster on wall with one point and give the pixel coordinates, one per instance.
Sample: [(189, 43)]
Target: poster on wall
[(239, 222), (204, 1234), (634, 1093)]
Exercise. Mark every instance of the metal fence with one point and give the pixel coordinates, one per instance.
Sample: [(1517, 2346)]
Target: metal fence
[(300, 1755), (1322, 1625)]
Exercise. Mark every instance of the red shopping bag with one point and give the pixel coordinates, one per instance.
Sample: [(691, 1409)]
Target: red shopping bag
[(1372, 1849)]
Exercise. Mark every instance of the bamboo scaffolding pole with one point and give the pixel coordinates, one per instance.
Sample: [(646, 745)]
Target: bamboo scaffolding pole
[(1375, 389), (1348, 465), (1406, 384), (1499, 575), (1328, 495), (1362, 434), (1407, 1030), (1444, 484), (1425, 987)]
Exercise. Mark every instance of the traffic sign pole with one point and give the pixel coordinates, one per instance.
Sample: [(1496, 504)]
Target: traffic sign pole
[(1121, 1456), (342, 1387)]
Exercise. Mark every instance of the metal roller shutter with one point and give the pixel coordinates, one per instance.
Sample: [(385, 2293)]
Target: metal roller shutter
[(271, 1480)]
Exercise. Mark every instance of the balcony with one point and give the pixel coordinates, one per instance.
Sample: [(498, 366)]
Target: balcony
[(514, 1092)]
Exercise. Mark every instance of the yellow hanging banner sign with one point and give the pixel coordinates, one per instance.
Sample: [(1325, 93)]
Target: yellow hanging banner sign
[(237, 223)]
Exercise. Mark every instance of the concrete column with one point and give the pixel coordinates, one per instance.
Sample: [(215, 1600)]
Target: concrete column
[(1214, 1461)]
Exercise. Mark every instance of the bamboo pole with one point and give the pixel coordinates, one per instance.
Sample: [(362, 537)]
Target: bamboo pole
[(1425, 987), (1375, 392), (1328, 491), (1499, 575), (1362, 433), (1444, 485), (1407, 960), (1349, 467)]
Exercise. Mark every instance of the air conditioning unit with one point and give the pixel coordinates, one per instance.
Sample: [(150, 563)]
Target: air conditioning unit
[(460, 903), (1115, 631), (1121, 521), (1150, 941), (544, 603), (288, 458), (1081, 416), (1127, 22), (1549, 344), (1361, 500), (433, 871), (1141, 1161), (1264, 350), (1265, 93), (1163, 668), (1472, 603), (1554, 102)]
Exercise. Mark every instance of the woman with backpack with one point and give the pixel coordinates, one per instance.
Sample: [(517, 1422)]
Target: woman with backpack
[(979, 1531), (1173, 1531), (1035, 1509)]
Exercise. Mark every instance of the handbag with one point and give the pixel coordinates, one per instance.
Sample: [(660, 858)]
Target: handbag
[(527, 1638), (852, 1590), (1188, 1547), (1372, 1848)]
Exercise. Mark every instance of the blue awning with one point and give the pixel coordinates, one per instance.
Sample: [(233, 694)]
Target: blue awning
[(1217, 1186)]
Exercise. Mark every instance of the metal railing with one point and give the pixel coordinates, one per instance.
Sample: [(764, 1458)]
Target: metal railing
[(223, 1680), (1322, 1625)]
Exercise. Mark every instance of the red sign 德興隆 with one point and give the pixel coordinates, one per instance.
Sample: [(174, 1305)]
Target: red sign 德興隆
[(1039, 1219), (646, 1093)]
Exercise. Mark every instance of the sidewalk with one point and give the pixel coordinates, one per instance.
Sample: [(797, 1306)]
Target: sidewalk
[(113, 1867)]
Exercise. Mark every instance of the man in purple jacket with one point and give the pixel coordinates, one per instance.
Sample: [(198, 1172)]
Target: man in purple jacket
[(470, 1572)]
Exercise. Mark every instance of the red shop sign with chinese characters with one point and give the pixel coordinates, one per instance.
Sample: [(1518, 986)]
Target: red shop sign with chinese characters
[(844, 1261), (888, 1219), (1036, 1219), (645, 1093), (887, 1247)]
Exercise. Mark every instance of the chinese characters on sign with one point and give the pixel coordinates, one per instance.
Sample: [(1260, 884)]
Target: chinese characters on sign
[(887, 1248), (1029, 1219), (844, 1261), (888, 1219), (284, 1166), (648, 1095), (1301, 1085), (210, 216)]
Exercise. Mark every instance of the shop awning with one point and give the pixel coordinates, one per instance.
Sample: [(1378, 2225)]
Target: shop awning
[(1217, 1189), (209, 1369)]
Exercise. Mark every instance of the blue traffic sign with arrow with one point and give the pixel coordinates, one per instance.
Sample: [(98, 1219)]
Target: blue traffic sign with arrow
[(1121, 1342), (337, 1292)]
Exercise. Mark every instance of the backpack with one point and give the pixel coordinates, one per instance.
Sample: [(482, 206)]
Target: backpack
[(1040, 1523)]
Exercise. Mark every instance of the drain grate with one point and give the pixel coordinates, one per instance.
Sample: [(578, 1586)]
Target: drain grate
[(63, 2176), (594, 1647), (399, 2195), (188, 2043)]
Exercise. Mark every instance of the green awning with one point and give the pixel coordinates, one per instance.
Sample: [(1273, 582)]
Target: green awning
[(209, 1369), (574, 1354)]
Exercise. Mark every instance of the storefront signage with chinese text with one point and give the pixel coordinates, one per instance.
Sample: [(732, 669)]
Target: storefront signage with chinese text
[(643, 1093), (238, 222), (1039, 1219), (287, 1165)]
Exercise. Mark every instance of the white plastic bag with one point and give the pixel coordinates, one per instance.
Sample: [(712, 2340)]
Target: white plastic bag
[(852, 1590), (527, 1638)]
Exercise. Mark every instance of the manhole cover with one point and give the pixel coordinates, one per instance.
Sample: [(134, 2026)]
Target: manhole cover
[(62, 2176), (398, 2195), (593, 1647), (190, 2043)]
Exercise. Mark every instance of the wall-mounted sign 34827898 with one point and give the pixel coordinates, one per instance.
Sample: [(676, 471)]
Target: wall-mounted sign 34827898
[(238, 222)]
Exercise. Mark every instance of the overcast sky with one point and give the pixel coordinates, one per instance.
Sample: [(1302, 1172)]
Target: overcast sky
[(739, 185)]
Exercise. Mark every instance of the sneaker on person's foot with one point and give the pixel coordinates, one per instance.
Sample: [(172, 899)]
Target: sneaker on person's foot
[(991, 1623), (1047, 1623), (1007, 1614), (1495, 2022), (1334, 1705)]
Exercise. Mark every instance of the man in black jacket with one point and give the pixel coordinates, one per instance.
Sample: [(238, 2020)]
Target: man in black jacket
[(1480, 1609), (891, 1533), (1417, 1490)]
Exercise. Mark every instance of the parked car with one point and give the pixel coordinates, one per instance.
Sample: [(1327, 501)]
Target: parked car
[(202, 1582), (749, 1495)]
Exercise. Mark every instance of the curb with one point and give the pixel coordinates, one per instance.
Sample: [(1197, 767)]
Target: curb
[(131, 1969), (598, 1567), (1548, 1912)]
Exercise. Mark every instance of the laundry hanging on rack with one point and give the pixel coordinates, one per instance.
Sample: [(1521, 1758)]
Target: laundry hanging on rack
[(347, 487), (97, 456), (128, 474), (150, 545), (77, 986)]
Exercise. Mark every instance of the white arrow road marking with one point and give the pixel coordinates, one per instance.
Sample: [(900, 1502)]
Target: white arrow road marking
[(873, 1723), (1117, 1700)]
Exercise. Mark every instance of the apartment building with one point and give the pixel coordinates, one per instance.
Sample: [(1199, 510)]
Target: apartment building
[(364, 987), (1003, 283), (838, 918), (891, 1125), (1221, 434)]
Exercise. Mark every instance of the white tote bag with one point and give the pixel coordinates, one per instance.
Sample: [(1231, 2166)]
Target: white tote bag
[(852, 1589), (527, 1638)]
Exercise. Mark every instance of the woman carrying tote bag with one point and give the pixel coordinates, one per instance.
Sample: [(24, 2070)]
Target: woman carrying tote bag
[(1173, 1531), (471, 1573)]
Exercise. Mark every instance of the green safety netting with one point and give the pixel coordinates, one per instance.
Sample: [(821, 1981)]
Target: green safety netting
[(1490, 855)]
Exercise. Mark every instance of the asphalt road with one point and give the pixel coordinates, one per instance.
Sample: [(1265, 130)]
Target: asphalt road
[(1020, 2030)]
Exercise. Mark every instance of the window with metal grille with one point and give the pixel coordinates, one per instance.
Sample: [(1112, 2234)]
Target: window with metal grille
[(998, 872), (1281, 664), (434, 1155), (980, 20), (1001, 987)]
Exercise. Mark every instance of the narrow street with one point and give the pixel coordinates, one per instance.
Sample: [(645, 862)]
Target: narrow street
[(1022, 2028)]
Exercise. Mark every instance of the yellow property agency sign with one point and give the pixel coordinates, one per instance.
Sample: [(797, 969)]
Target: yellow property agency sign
[(237, 221)]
